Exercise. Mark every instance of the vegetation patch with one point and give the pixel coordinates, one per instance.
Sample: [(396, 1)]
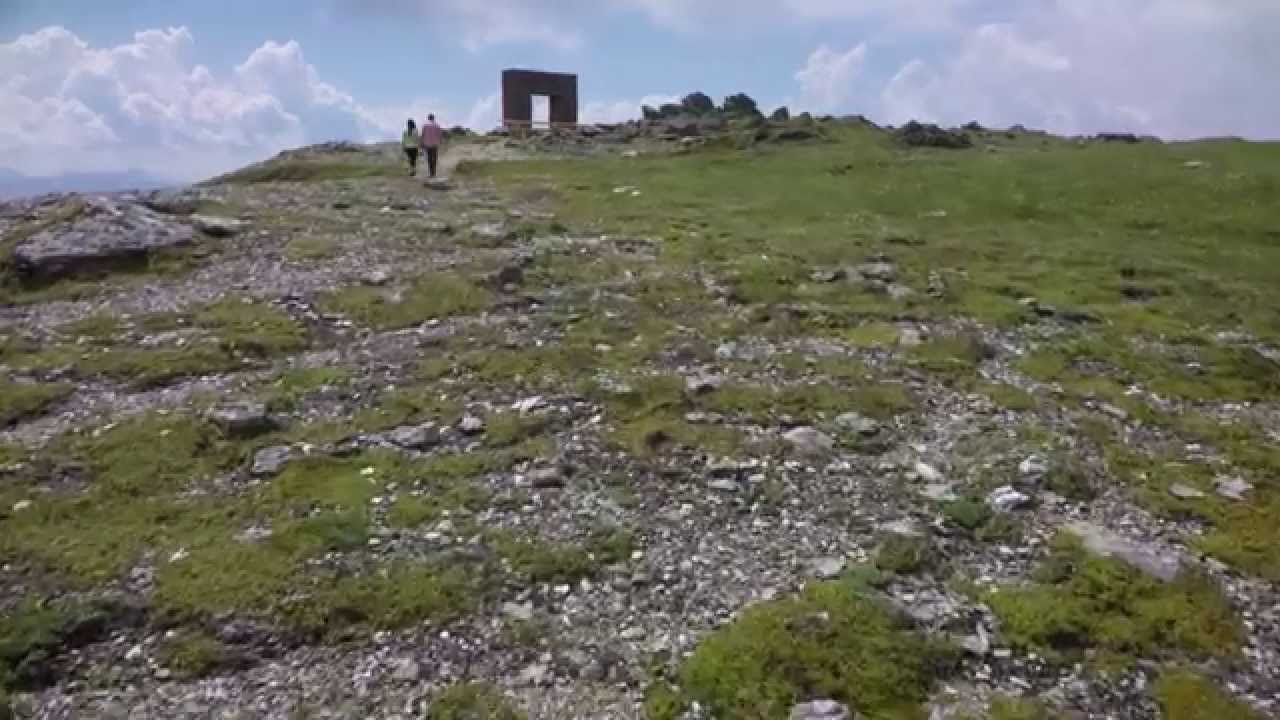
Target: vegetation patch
[(473, 701), (23, 399), (833, 641), (906, 554), (300, 170), (1185, 695), (190, 654), (1081, 602), (433, 296)]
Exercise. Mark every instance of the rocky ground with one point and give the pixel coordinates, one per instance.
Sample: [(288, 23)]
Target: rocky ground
[(320, 440)]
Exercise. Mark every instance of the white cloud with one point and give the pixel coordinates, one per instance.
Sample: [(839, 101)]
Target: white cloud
[(68, 106), (827, 79), (1175, 68)]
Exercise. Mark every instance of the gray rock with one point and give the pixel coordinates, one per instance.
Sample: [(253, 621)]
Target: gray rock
[(927, 472), (406, 671), (909, 337), (1161, 564), (722, 484), (827, 275), (271, 460), (471, 425), (220, 227), (821, 710), (885, 272), (245, 418), (942, 492), (545, 478), (898, 291), (518, 611), (1233, 488), (415, 437), (376, 278), (1007, 499), (809, 440), (826, 568), (1033, 466), (105, 232), (701, 384), (856, 423), (1186, 492)]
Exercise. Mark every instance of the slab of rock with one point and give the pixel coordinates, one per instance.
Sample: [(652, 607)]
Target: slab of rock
[(545, 478), (1007, 499), (415, 437), (1161, 564), (215, 226), (822, 710), (1233, 488), (471, 425), (271, 460), (809, 441), (105, 232), (856, 423), (1185, 492), (826, 568), (242, 418)]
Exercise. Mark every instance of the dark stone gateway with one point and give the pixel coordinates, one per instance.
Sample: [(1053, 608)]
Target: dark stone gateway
[(519, 87)]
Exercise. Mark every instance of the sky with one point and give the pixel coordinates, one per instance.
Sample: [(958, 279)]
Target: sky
[(184, 89)]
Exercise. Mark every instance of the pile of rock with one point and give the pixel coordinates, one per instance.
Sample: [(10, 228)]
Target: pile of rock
[(928, 135)]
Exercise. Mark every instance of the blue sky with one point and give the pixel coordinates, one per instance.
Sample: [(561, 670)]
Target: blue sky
[(186, 88)]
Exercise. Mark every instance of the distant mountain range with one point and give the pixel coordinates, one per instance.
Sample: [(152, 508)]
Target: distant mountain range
[(15, 184)]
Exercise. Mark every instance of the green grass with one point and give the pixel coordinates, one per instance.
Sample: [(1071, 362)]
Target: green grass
[(1082, 602), (905, 554), (832, 641), (194, 654), (1186, 696), (20, 400), (472, 701), (433, 296), (287, 390)]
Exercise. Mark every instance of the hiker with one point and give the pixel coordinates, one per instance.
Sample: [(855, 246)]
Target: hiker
[(410, 142), (432, 135)]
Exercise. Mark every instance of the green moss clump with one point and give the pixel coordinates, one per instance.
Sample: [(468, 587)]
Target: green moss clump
[(953, 359), (1083, 601), (34, 632), (251, 328), (20, 400), (832, 641), (1186, 696), (1007, 708), (437, 295), (195, 654), (905, 554), (472, 701)]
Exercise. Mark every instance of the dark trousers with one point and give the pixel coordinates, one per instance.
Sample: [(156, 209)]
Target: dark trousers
[(433, 155), (412, 154)]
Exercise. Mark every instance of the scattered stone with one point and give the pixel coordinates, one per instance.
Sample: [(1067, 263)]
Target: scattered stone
[(1158, 563), (534, 675), (880, 270), (545, 478), (271, 460), (1185, 492), (809, 440), (632, 634), (927, 472), (376, 278), (102, 233), (909, 337), (1113, 411), (219, 227), (415, 437), (245, 419), (898, 291), (827, 275), (1007, 499), (518, 611), (21, 505), (940, 492), (725, 485), (1033, 467), (1233, 488), (406, 671), (857, 423), (702, 384), (471, 425), (821, 710), (530, 404), (826, 568)]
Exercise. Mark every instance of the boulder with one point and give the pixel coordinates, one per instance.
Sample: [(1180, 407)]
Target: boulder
[(927, 135), (103, 233), (682, 125), (1160, 564), (809, 441), (242, 418), (271, 460), (821, 710), (780, 115), (740, 104), (698, 103), (219, 227), (415, 437)]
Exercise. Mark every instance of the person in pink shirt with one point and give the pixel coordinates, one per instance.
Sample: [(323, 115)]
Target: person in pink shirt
[(432, 136)]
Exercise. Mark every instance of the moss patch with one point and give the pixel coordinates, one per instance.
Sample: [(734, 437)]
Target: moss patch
[(472, 701), (19, 399), (1081, 601), (832, 641), (1187, 696), (438, 295)]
